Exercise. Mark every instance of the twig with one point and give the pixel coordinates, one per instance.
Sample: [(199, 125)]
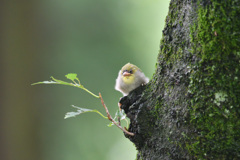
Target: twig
[(119, 121), (111, 119)]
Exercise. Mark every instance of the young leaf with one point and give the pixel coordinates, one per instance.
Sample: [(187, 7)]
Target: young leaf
[(80, 111), (119, 114), (44, 82), (110, 124), (72, 76), (60, 81)]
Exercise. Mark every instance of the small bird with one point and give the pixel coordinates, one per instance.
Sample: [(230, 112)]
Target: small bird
[(129, 78)]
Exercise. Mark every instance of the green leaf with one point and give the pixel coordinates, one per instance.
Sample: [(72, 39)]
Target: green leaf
[(80, 111), (122, 115), (71, 76), (44, 82), (60, 81), (110, 124), (119, 114)]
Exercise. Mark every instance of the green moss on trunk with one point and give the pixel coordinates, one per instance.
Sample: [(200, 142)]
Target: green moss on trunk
[(215, 85)]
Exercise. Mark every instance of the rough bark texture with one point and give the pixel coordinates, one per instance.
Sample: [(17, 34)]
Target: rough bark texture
[(191, 107)]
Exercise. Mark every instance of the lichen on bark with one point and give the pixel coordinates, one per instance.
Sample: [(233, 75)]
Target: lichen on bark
[(190, 109)]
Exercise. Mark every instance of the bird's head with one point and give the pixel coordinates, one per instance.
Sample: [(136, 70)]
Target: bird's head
[(128, 72)]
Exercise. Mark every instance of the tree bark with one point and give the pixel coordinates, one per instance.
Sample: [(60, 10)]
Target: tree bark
[(191, 107)]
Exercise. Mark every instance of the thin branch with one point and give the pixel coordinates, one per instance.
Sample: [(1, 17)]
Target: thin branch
[(119, 121), (111, 119)]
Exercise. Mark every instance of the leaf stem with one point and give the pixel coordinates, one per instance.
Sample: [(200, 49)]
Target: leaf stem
[(90, 92), (96, 111)]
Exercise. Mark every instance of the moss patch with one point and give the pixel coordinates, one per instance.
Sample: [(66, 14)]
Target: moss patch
[(214, 82)]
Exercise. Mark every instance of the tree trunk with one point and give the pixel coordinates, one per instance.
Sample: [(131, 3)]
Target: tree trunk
[(191, 107)]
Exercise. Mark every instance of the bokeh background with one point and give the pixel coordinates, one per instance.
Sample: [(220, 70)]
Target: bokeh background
[(93, 38)]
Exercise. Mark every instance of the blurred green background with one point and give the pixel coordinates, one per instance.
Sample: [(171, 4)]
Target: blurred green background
[(93, 38)]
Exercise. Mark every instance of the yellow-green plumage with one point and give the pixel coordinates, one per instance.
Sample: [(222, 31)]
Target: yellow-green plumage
[(129, 78)]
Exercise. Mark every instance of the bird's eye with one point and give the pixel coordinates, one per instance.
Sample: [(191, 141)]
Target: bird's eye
[(130, 71), (124, 71)]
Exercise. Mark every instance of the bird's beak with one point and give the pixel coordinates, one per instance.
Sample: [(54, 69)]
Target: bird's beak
[(126, 74)]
